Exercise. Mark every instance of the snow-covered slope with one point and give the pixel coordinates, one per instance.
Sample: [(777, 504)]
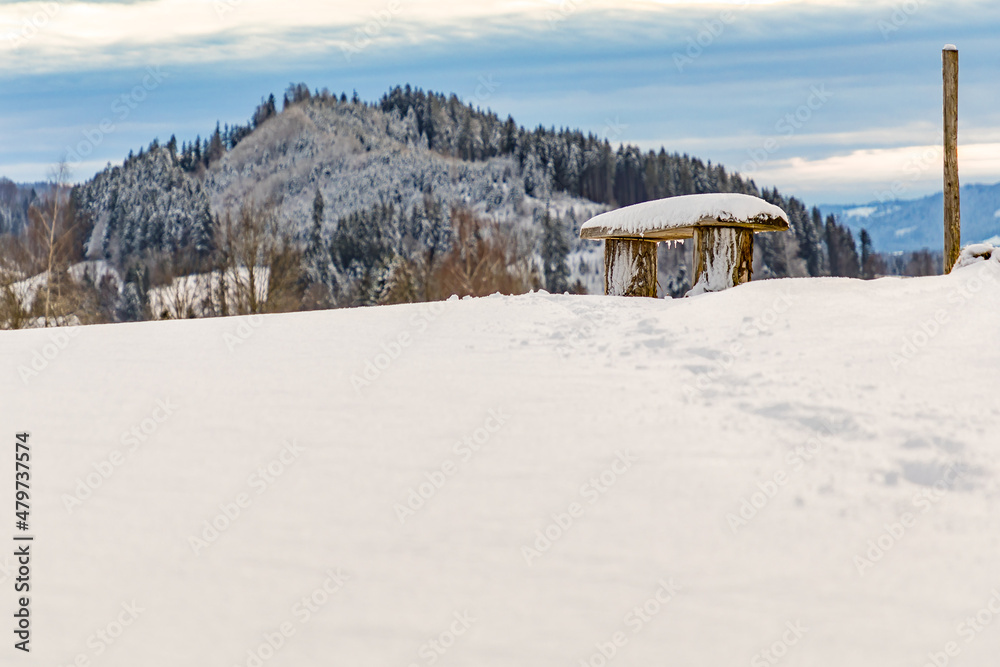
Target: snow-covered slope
[(359, 157), (806, 467)]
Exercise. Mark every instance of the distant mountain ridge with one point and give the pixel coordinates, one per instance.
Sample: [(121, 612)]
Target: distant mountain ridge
[(910, 225)]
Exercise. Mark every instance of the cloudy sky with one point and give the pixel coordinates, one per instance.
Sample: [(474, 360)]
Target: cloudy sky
[(834, 101)]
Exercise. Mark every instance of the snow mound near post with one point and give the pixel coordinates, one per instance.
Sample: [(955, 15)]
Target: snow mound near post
[(975, 253)]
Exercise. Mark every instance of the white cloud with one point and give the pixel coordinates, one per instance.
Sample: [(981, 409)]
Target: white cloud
[(228, 28), (905, 135), (889, 173), (54, 35)]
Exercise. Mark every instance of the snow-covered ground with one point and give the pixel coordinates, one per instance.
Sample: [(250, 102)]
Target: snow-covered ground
[(799, 472), (28, 289)]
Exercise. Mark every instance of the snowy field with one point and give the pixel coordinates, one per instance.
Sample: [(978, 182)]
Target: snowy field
[(800, 472)]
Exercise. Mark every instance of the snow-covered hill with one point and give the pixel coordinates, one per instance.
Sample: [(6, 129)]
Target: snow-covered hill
[(799, 472), (910, 225), (359, 157)]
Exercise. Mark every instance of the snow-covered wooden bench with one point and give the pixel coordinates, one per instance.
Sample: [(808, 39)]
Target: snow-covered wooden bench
[(722, 226)]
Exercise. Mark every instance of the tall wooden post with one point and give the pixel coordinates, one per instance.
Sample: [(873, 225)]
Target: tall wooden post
[(952, 196)]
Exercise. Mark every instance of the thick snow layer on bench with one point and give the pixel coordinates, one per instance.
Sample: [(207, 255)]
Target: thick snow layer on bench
[(651, 217)]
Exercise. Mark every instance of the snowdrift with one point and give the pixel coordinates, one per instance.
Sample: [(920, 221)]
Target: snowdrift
[(797, 471)]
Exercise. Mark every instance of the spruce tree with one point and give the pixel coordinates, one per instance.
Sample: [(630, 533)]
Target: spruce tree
[(202, 231), (216, 149), (316, 251), (134, 299), (811, 245), (843, 252), (866, 254), (555, 249)]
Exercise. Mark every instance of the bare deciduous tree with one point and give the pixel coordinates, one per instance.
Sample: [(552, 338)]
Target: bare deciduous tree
[(485, 257), (181, 286), (259, 262), (52, 243)]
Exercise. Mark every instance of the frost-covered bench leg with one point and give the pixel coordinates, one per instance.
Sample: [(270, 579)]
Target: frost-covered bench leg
[(723, 258), (630, 267)]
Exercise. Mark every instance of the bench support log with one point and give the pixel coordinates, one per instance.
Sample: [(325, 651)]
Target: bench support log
[(723, 257), (630, 267)]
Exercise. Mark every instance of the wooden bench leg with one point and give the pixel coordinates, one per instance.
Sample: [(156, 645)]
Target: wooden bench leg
[(630, 267), (723, 258)]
